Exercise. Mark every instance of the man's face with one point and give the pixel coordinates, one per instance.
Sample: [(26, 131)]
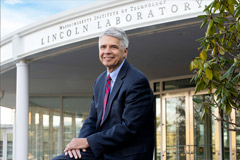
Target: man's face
[(111, 53)]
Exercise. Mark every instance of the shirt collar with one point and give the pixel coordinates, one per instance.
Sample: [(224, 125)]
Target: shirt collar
[(114, 74)]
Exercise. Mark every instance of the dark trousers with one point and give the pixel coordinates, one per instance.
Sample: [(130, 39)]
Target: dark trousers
[(88, 155)]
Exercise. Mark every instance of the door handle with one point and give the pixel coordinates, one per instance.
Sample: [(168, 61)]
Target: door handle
[(192, 149), (186, 149), (189, 149)]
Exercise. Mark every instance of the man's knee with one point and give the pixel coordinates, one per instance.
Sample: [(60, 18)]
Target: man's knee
[(61, 157)]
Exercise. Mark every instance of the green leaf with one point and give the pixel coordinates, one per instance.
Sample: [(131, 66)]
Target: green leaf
[(236, 78), (191, 66), (228, 109), (217, 6), (209, 73), (217, 75), (237, 12), (219, 20), (232, 27), (226, 93), (228, 73), (194, 64), (213, 51), (223, 100), (206, 65), (202, 16), (206, 108), (204, 23), (231, 6), (217, 91), (210, 25), (196, 100), (221, 50), (203, 55), (207, 7), (222, 106), (221, 27)]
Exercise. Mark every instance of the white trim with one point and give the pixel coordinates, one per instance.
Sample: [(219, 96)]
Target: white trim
[(69, 27)]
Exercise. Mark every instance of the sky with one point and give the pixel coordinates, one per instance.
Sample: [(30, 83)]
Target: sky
[(16, 14)]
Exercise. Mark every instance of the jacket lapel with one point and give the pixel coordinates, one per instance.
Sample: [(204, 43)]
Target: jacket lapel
[(117, 85), (102, 90)]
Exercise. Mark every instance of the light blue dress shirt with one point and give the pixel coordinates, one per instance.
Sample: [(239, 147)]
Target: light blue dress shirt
[(114, 74)]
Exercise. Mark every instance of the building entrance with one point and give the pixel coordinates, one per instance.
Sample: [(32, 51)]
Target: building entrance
[(183, 132), (174, 127)]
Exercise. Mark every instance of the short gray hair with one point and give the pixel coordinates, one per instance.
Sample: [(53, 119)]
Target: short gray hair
[(117, 33)]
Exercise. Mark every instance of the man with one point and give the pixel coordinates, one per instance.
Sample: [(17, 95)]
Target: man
[(120, 125)]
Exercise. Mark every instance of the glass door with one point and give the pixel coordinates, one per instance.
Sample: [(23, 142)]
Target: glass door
[(186, 135), (175, 135), (183, 133), (204, 131)]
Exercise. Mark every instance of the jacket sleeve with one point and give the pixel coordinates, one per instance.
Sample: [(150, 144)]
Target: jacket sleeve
[(137, 109), (89, 125)]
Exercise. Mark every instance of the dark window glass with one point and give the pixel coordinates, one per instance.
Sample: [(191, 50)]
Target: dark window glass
[(178, 84), (1, 149), (157, 87)]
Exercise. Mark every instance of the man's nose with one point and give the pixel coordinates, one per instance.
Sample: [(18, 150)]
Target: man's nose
[(107, 50)]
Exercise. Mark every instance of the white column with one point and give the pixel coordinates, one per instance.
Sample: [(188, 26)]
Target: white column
[(22, 95)]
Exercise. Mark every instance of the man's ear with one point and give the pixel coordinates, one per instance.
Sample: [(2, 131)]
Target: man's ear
[(125, 52)]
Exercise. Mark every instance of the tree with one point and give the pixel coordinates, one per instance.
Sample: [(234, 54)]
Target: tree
[(217, 68)]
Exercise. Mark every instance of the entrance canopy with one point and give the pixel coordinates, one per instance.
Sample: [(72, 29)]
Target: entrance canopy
[(62, 51)]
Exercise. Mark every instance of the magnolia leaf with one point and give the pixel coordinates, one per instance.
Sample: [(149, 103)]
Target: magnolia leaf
[(231, 6), (217, 75), (213, 51), (237, 11), (206, 108), (206, 80), (210, 25), (228, 109), (203, 55), (206, 65), (207, 7), (221, 50), (196, 100), (204, 23), (209, 73), (223, 100), (229, 72), (202, 16), (236, 78), (217, 7), (235, 60), (213, 41), (194, 64), (219, 20), (226, 93), (221, 28)]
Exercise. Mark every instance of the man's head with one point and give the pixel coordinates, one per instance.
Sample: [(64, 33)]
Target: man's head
[(117, 33), (113, 48)]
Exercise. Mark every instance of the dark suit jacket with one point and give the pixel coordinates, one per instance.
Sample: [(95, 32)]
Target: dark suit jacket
[(127, 131)]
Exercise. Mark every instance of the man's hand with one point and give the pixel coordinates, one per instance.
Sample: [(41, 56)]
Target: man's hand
[(76, 153), (73, 148)]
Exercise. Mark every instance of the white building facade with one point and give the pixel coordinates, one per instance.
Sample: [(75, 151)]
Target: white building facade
[(48, 70)]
